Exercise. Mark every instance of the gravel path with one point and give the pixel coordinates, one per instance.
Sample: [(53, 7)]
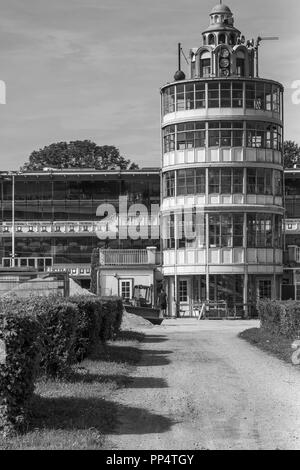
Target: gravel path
[(199, 386)]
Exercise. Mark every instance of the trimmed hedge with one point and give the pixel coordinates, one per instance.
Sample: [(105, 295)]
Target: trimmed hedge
[(20, 336), (280, 318), (58, 319), (113, 312), (45, 336), (89, 325)]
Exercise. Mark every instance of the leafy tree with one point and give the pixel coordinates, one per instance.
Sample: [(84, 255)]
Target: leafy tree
[(78, 154), (291, 153)]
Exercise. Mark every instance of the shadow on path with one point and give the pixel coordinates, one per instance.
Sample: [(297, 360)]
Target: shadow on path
[(70, 413), (155, 339), (82, 375)]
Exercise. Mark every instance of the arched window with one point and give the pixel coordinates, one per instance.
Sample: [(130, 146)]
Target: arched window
[(205, 64), (211, 39), (240, 64), (222, 39), (232, 40)]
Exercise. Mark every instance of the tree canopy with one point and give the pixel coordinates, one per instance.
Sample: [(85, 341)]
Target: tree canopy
[(291, 154), (78, 154)]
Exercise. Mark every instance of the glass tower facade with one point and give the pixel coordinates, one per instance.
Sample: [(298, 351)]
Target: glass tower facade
[(222, 175)]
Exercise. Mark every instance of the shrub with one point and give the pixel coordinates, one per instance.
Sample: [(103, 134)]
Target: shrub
[(58, 321), (98, 318), (45, 335), (89, 324), (280, 318), (113, 313), (17, 373)]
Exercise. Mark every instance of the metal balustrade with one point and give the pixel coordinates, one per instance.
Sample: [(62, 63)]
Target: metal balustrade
[(123, 257)]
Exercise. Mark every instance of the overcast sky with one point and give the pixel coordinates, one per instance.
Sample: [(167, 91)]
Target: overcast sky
[(92, 69)]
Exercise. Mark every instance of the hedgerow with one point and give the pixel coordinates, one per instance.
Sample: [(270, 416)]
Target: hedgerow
[(19, 334), (89, 324), (113, 311), (280, 318), (45, 336)]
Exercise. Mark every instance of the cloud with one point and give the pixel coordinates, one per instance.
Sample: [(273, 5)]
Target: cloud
[(93, 69)]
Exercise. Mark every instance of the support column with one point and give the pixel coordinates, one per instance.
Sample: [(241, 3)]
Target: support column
[(245, 243), (172, 305), (207, 254), (245, 294)]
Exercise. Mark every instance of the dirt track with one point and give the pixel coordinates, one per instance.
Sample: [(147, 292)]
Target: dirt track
[(199, 386)]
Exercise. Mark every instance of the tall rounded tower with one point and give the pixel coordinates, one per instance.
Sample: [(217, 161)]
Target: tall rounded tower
[(222, 175)]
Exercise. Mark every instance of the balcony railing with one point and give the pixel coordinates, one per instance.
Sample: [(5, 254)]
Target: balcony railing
[(123, 257), (129, 257)]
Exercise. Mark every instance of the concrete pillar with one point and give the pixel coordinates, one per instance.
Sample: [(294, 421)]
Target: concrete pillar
[(171, 297), (245, 295)]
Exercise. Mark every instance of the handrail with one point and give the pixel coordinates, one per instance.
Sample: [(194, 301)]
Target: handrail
[(123, 257)]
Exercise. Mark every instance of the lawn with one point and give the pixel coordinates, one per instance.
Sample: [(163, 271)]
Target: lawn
[(278, 346), (78, 413)]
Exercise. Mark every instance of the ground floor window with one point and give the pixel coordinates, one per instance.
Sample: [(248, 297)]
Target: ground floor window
[(183, 290), (228, 288), (198, 289), (264, 289), (126, 288)]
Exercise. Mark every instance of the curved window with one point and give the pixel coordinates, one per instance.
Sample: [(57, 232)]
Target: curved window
[(200, 101), (190, 135), (169, 184), (232, 40), (262, 181), (184, 136), (264, 231), (191, 229), (191, 181), (225, 94), (169, 100), (263, 96), (278, 182), (211, 39), (229, 134), (225, 134), (264, 135), (169, 139), (225, 180), (222, 94), (226, 230), (184, 97), (259, 181), (222, 39)]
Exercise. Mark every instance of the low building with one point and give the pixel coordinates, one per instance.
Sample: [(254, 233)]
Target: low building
[(134, 275)]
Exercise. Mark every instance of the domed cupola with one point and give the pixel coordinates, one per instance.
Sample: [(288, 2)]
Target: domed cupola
[(221, 29), (224, 52)]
